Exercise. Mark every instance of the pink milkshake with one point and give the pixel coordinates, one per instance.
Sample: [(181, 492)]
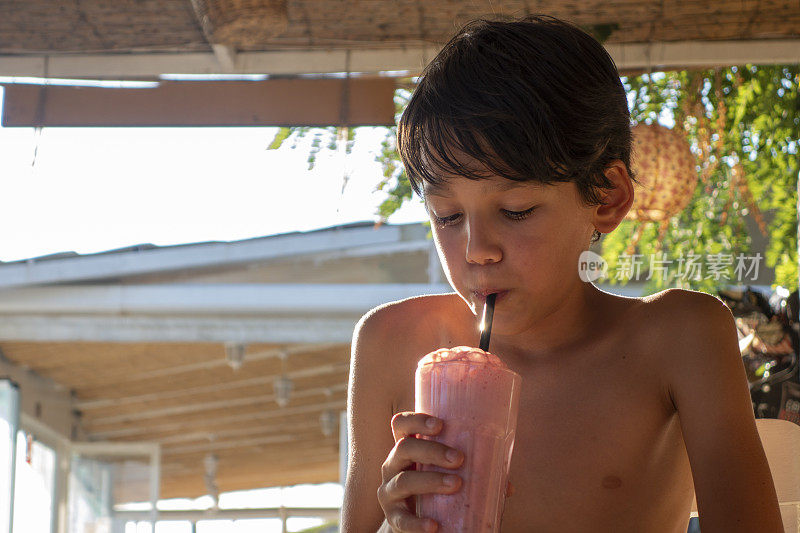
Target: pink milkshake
[(477, 397)]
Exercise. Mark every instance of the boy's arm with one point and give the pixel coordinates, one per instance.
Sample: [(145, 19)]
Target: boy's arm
[(370, 437), (708, 386)]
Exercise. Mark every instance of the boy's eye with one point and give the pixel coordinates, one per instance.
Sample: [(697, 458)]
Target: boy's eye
[(518, 215), (446, 221)]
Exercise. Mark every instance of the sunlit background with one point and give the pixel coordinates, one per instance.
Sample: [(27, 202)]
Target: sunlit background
[(88, 190), (94, 189)]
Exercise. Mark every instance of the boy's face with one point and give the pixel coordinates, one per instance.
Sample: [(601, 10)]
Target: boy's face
[(519, 239)]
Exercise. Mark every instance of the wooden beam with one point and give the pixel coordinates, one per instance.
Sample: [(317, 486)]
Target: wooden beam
[(327, 513), (207, 389), (272, 454), (326, 383), (278, 102), (137, 431), (141, 414), (298, 352), (229, 433), (409, 58), (222, 427), (245, 478)]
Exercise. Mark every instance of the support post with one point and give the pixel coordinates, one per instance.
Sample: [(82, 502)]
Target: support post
[(434, 267), (283, 516), (63, 466), (155, 484)]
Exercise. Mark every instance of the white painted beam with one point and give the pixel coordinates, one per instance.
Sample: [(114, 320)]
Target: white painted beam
[(138, 430), (210, 389), (403, 247), (688, 54), (61, 314), (55, 328), (116, 449), (228, 444), (210, 299), (44, 403), (44, 433), (287, 62), (203, 255), (230, 403), (288, 350), (680, 54), (327, 513)]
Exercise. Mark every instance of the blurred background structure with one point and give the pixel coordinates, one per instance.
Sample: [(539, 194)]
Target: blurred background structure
[(156, 372)]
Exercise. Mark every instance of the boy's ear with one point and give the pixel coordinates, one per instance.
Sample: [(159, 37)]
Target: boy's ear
[(617, 201)]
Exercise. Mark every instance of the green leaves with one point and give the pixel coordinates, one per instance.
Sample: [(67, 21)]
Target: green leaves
[(282, 135), (743, 124), (332, 136), (743, 117)]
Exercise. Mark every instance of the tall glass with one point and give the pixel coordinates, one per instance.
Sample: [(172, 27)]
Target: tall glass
[(477, 397)]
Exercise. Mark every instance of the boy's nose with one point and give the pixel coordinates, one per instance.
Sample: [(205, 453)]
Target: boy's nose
[(481, 248)]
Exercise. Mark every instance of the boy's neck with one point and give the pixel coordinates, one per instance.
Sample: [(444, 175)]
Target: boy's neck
[(567, 327)]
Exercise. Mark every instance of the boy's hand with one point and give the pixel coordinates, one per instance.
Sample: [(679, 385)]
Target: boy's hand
[(400, 482)]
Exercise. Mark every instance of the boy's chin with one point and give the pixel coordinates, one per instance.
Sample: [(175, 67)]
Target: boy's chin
[(474, 307), (507, 327)]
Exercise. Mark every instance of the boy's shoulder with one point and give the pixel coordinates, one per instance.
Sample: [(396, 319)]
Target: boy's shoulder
[(664, 310), (418, 317), (683, 308), (669, 321), (389, 340), (684, 325)]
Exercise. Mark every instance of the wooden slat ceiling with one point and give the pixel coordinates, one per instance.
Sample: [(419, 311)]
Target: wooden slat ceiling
[(187, 398), (38, 26)]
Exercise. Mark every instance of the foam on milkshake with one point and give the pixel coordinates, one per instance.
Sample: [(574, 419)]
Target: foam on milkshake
[(462, 353)]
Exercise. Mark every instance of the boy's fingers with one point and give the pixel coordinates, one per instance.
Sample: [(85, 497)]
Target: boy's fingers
[(401, 520), (410, 423), (410, 483), (409, 450), (400, 479), (394, 494)]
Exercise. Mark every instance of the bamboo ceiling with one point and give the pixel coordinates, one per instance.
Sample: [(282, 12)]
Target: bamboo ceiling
[(51, 26), (187, 398)]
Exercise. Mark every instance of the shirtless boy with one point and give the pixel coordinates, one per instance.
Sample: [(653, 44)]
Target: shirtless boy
[(518, 140)]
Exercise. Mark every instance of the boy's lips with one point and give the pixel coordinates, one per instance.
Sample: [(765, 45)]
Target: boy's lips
[(481, 294)]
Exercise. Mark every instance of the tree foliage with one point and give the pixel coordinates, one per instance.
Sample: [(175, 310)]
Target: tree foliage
[(743, 124), (330, 138)]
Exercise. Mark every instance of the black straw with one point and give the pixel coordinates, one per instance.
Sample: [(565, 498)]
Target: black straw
[(486, 321)]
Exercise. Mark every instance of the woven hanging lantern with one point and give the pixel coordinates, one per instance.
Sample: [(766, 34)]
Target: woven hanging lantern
[(241, 23), (665, 167)]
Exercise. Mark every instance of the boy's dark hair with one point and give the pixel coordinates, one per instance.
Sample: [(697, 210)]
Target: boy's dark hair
[(536, 99)]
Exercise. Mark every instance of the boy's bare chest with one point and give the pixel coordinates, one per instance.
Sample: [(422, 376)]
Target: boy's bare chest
[(595, 451), (597, 443)]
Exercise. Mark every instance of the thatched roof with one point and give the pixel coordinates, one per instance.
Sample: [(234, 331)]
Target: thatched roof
[(93, 26)]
